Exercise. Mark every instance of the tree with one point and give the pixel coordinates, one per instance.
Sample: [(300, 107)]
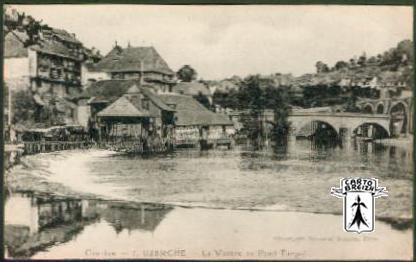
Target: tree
[(372, 60), (404, 52), (203, 100), (321, 67), (23, 107), (362, 60), (351, 105), (228, 99), (353, 62), (379, 58), (14, 20), (186, 73), (340, 65), (252, 101), (277, 99), (257, 94)]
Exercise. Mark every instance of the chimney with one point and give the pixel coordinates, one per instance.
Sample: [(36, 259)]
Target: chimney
[(141, 73)]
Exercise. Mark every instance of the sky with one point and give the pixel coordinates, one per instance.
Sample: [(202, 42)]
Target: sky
[(222, 41)]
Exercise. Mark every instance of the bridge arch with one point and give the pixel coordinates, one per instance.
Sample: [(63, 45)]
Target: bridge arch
[(368, 108), (378, 130), (380, 108), (310, 127), (342, 123), (399, 113)]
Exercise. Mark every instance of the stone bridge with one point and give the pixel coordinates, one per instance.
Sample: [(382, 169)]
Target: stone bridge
[(400, 111), (344, 124)]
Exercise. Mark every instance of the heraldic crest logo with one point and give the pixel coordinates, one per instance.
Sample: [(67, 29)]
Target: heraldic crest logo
[(359, 202)]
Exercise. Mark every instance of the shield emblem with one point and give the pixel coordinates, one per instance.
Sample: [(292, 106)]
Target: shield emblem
[(359, 212), (359, 202)]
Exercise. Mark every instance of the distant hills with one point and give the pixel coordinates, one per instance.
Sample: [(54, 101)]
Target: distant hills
[(392, 68), (341, 84)]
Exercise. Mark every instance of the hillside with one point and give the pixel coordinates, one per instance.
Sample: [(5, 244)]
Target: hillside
[(394, 67), (341, 84)]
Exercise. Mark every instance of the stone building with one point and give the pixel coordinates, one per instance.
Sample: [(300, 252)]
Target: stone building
[(194, 122), (128, 63), (49, 69), (137, 114), (127, 108)]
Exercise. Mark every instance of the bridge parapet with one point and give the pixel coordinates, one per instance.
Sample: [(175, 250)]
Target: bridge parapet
[(339, 114), (347, 122)]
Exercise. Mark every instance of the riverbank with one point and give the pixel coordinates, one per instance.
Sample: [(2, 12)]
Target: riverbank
[(51, 173)]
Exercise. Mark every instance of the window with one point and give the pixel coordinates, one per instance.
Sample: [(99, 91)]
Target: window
[(38, 82), (117, 76), (145, 103)]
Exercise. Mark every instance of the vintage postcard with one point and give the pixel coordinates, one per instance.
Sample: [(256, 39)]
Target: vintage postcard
[(215, 132)]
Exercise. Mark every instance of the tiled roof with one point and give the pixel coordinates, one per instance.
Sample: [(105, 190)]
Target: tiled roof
[(53, 48), (123, 107), (111, 90), (155, 99), (191, 113), (13, 44), (65, 36), (191, 88), (108, 90), (130, 59)]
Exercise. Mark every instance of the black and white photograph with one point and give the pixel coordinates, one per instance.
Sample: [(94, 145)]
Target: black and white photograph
[(208, 132)]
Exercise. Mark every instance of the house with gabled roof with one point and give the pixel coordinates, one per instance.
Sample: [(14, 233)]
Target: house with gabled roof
[(136, 114), (115, 105), (48, 68), (194, 122), (143, 63)]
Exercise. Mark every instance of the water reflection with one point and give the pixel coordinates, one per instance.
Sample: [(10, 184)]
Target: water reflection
[(394, 160), (44, 220), (123, 231)]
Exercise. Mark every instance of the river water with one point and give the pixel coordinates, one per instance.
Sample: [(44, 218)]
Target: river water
[(217, 184)]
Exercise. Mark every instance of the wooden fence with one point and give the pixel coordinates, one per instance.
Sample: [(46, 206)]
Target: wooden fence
[(51, 146), (137, 146), (211, 142), (129, 146)]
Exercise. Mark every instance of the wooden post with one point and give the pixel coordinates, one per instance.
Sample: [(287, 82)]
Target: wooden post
[(9, 115)]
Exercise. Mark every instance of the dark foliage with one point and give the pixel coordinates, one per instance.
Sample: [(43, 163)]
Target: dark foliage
[(257, 95), (203, 100), (25, 23), (186, 73), (23, 106), (226, 99)]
